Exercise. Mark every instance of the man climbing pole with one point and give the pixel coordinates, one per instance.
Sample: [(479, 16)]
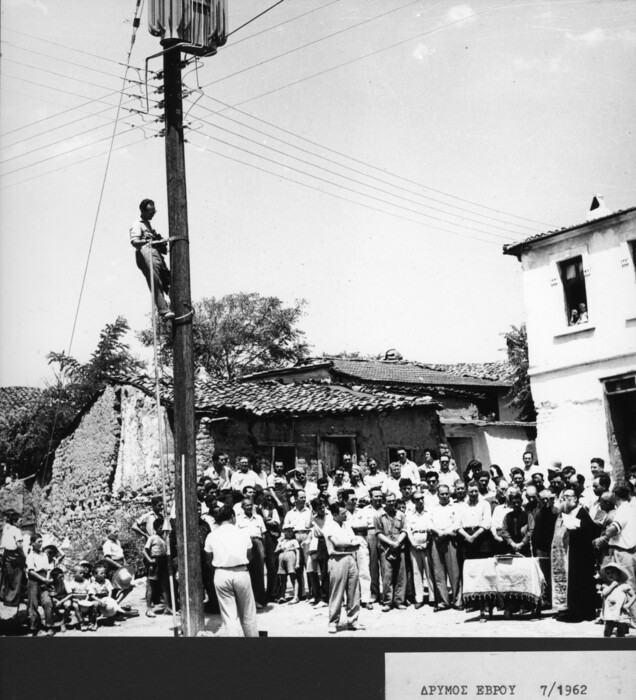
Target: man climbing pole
[(150, 248)]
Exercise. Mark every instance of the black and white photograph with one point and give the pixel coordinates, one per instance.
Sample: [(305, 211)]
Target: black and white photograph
[(318, 320)]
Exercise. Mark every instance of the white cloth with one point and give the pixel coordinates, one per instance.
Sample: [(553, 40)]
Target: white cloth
[(11, 537), (373, 480), (240, 480), (113, 550), (409, 470), (625, 520), (418, 526), (444, 518), (254, 526), (336, 534), (38, 562)]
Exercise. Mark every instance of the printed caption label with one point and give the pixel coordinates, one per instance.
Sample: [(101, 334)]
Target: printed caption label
[(523, 675)]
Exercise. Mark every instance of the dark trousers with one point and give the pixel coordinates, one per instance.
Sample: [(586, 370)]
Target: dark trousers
[(271, 566), (374, 565), (12, 577), (37, 595), (446, 568), (393, 579), (256, 568)]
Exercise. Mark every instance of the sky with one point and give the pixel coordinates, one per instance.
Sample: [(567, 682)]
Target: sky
[(369, 156)]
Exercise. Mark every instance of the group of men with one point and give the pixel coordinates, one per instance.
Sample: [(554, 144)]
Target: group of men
[(400, 538)]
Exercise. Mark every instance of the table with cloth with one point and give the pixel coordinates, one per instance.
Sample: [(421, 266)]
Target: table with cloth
[(501, 580)]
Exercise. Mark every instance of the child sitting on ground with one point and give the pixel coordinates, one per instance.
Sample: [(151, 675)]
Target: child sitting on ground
[(618, 598), (104, 602), (288, 550), (82, 600), (157, 577), (61, 597)]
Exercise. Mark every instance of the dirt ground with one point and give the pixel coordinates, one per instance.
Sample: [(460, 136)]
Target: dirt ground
[(303, 620)]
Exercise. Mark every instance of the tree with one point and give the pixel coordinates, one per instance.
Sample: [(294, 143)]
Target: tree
[(239, 334), (517, 347), (78, 383), (30, 435)]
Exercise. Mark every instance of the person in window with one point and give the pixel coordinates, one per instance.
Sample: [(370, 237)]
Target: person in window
[(582, 314), (574, 317)]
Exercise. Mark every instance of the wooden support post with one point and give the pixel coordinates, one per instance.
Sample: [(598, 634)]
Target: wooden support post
[(188, 550)]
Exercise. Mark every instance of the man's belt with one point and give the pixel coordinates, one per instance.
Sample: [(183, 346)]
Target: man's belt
[(240, 567)]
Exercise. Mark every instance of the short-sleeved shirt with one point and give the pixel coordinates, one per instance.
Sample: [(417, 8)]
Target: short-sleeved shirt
[(38, 562), (113, 550), (478, 515), (338, 534), (156, 546), (374, 480), (141, 230), (254, 526), (389, 526), (101, 590), (418, 525), (146, 522), (228, 545), (11, 537), (240, 480), (299, 519), (444, 518)]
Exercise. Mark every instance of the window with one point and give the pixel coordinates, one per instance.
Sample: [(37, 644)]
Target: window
[(575, 297)]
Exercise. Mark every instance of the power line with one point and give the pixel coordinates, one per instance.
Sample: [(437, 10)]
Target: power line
[(72, 63), (349, 189), (70, 48), (369, 165), (78, 162), (510, 235), (345, 199), (355, 170), (280, 24), (311, 43), (260, 14)]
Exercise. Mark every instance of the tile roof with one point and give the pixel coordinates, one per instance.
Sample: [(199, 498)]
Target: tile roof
[(400, 371), (13, 398), (219, 396), (516, 248)]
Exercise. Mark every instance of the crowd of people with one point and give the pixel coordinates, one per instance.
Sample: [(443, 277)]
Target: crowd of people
[(361, 537)]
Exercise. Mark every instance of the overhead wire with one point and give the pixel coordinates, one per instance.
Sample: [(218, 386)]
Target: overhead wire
[(138, 8), (350, 189), (366, 164), (356, 170), (341, 197), (509, 235), (260, 14)]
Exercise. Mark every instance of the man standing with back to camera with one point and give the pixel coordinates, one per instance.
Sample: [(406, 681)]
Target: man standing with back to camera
[(150, 248)]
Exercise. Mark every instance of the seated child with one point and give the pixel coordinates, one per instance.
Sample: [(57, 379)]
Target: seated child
[(82, 600), (288, 550), (157, 577), (618, 598), (61, 597), (104, 602)]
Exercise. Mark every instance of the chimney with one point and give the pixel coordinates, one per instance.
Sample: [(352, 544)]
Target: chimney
[(597, 208)]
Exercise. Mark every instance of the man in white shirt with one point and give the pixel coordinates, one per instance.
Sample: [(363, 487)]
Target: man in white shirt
[(343, 571), (474, 520), (370, 511), (408, 469), (229, 550), (375, 477), (391, 484), (254, 525), (430, 493), (38, 568), (418, 524), (13, 560), (244, 477), (498, 514), (530, 468), (444, 526), (447, 476), (300, 519), (220, 473)]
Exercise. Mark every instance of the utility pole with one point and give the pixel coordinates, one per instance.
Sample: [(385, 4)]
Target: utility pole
[(188, 552)]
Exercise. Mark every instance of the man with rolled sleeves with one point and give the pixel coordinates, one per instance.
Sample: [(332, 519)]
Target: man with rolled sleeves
[(254, 525), (229, 551), (300, 520), (444, 527), (370, 512), (390, 529), (418, 524), (343, 570)]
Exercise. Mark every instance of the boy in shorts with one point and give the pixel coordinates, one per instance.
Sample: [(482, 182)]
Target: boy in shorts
[(288, 551)]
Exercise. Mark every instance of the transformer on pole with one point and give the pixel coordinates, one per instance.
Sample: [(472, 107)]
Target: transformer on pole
[(196, 27)]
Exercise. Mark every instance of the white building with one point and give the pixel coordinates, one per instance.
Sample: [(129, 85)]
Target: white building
[(580, 294)]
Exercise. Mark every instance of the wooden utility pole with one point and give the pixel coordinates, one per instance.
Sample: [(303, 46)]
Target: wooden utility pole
[(190, 581)]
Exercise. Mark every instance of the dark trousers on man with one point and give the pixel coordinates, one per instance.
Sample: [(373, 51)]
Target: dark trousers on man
[(374, 565), (13, 564), (393, 578), (256, 567), (446, 568), (38, 595), (271, 566)]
